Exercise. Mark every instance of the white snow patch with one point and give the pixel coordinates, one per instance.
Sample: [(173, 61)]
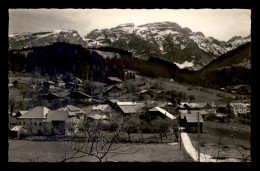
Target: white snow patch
[(107, 54), (167, 32), (182, 47), (184, 64)]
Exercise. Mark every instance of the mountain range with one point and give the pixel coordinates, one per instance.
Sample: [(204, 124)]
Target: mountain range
[(164, 40)]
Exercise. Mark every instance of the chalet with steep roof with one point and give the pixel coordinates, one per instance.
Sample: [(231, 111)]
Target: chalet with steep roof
[(34, 120), (113, 80), (191, 123)]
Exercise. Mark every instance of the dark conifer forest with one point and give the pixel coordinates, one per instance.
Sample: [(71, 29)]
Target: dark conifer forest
[(64, 58)]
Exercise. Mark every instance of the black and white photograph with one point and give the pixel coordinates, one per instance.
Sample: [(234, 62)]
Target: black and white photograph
[(129, 85)]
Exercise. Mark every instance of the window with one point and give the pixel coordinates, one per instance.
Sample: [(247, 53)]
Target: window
[(20, 123), (35, 123), (23, 123), (40, 123)]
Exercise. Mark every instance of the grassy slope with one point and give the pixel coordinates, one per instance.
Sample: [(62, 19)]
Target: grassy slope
[(207, 95), (54, 151), (228, 147)]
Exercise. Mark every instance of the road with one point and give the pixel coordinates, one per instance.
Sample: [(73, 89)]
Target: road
[(194, 154)]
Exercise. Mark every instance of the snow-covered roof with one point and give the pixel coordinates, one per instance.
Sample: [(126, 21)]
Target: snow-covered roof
[(23, 112), (196, 105), (114, 86), (164, 112), (128, 103), (114, 79), (236, 104), (72, 110), (97, 116), (57, 115), (17, 128), (100, 107), (130, 109), (36, 112), (193, 118)]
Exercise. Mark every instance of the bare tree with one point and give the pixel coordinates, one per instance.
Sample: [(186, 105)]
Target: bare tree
[(92, 140), (191, 98), (11, 105), (131, 125), (23, 92)]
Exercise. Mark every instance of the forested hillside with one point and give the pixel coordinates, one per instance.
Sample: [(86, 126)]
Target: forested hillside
[(64, 58)]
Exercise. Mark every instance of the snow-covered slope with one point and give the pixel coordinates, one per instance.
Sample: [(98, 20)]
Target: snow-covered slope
[(27, 39), (166, 40), (239, 40)]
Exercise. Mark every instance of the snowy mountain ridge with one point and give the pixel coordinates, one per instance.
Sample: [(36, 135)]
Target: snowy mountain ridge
[(164, 40)]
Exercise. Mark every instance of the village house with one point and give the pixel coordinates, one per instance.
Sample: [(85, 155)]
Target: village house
[(60, 122), (181, 106), (221, 108), (99, 112), (113, 91), (129, 108), (61, 95), (182, 114), (238, 108), (34, 119), (73, 111), (211, 108), (49, 85), (168, 106), (241, 89), (113, 80), (80, 97), (157, 111), (18, 132), (43, 121), (247, 107), (74, 86), (20, 113), (111, 102), (60, 84), (195, 106), (191, 123)]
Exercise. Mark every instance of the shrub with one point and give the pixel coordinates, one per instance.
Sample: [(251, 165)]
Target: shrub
[(210, 117)]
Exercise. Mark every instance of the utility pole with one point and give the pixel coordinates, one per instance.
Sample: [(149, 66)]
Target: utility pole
[(198, 136), (180, 129)]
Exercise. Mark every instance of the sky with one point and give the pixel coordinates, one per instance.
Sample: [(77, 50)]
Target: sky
[(221, 24)]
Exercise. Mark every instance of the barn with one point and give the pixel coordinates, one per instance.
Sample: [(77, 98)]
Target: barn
[(129, 108), (191, 123), (113, 91), (60, 123), (20, 113), (18, 132), (157, 111), (33, 120), (81, 97), (113, 80)]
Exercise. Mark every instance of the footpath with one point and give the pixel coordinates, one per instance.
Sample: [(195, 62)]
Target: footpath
[(194, 154)]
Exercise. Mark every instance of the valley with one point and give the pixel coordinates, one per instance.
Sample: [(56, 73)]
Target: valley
[(128, 93)]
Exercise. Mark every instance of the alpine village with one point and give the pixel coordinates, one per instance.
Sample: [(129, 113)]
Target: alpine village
[(153, 92)]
